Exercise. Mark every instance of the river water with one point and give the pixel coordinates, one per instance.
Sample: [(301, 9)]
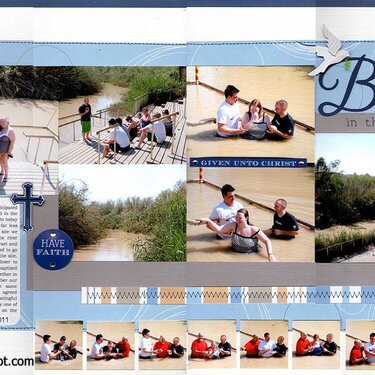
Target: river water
[(112, 331), (109, 95), (268, 84), (115, 247), (72, 330)]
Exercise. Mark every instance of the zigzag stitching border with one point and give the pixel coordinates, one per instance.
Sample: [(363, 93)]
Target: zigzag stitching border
[(237, 295)]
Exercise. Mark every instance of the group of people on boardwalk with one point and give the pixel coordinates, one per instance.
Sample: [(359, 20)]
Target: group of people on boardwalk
[(255, 123), (217, 350), (123, 131), (160, 348), (316, 346), (363, 353), (266, 348), (230, 219), (111, 350), (7, 140), (60, 350)]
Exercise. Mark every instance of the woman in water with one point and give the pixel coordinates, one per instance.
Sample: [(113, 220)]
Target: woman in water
[(317, 345), (244, 236), (7, 139), (255, 121)]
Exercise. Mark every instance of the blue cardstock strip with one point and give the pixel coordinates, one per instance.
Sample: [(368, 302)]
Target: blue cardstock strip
[(270, 53), (256, 162), (182, 3), (92, 54)]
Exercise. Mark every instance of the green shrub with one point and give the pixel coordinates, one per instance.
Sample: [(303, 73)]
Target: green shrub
[(81, 220), (342, 199), (47, 83), (325, 240)]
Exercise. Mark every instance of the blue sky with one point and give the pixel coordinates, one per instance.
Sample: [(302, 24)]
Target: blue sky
[(112, 182), (356, 151)]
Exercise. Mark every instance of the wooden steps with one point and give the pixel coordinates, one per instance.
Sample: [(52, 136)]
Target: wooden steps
[(19, 173)]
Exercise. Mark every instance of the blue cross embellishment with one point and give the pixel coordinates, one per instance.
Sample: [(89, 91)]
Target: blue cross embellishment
[(27, 200)]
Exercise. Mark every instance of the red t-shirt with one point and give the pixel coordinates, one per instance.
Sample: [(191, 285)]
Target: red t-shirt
[(302, 345), (355, 354), (252, 347), (198, 345), (164, 347), (123, 348)]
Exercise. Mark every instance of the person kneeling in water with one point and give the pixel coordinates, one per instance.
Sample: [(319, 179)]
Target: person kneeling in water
[(244, 236)]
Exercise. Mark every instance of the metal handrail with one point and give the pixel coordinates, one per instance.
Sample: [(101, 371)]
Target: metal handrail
[(77, 114), (35, 127), (39, 137), (137, 100), (114, 140), (173, 115), (247, 102), (46, 162), (97, 114)]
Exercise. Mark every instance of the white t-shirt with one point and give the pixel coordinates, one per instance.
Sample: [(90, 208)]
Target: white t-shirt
[(229, 115), (121, 137), (225, 213), (45, 351), (96, 349), (370, 348), (147, 345), (267, 345), (159, 131)]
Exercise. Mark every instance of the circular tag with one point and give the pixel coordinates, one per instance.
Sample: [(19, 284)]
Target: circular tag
[(53, 249)]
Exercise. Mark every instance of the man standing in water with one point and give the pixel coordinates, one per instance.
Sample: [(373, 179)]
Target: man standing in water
[(369, 349), (228, 114), (225, 212), (266, 347), (282, 124), (284, 224), (85, 112)]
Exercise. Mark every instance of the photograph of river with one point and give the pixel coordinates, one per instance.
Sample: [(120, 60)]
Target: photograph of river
[(113, 213), (33, 150), (345, 198), (148, 101), (256, 190)]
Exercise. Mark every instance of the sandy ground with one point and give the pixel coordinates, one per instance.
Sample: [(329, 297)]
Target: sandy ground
[(359, 329), (322, 328), (275, 329), (72, 330), (367, 257), (212, 330), (168, 329), (113, 331)]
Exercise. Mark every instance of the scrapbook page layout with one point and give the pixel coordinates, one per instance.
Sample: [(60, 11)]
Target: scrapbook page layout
[(187, 188)]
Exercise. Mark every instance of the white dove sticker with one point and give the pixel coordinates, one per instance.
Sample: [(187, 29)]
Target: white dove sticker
[(333, 54)]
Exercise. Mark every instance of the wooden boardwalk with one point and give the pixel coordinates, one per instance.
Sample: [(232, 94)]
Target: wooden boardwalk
[(80, 152), (21, 172)]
